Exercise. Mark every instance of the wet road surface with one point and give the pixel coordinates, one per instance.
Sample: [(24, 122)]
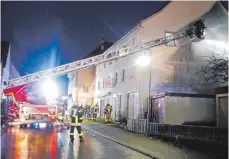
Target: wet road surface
[(37, 144), (97, 147), (54, 144)]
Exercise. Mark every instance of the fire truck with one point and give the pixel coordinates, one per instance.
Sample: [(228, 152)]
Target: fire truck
[(31, 113), (13, 86), (28, 110)]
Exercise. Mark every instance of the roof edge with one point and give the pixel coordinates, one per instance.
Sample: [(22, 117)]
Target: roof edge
[(134, 28), (192, 21), (223, 8), (116, 43), (155, 14), (185, 25)]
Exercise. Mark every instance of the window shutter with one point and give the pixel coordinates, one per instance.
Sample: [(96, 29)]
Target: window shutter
[(123, 75), (98, 85), (102, 83)]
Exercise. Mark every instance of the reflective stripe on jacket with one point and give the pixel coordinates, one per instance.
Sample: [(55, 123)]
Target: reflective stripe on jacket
[(76, 124), (108, 109), (76, 115), (95, 109)]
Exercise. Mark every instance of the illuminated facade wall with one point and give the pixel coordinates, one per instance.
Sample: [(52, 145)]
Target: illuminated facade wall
[(173, 68), (82, 83), (85, 86), (82, 86), (8, 71)]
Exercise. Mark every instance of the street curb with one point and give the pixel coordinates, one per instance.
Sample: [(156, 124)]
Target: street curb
[(123, 144)]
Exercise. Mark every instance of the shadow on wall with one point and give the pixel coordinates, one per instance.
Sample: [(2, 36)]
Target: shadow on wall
[(200, 123), (189, 58), (172, 87)]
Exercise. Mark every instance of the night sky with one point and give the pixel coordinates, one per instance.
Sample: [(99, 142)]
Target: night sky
[(47, 34)]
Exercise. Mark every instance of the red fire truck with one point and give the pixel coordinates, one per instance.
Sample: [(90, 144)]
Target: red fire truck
[(25, 111), (30, 113)]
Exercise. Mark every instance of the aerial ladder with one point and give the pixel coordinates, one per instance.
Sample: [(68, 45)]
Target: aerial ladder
[(197, 30)]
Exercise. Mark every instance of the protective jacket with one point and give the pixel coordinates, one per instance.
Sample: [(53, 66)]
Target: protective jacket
[(108, 109), (76, 115), (95, 109)]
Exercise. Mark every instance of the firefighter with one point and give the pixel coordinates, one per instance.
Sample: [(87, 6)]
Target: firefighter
[(108, 110), (95, 111), (76, 115), (81, 112), (86, 111), (89, 112)]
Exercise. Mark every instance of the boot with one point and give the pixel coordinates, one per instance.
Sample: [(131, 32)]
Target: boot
[(72, 139), (81, 138)]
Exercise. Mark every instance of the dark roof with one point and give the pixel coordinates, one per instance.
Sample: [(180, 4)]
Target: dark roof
[(99, 50), (224, 4), (221, 90), (5, 45)]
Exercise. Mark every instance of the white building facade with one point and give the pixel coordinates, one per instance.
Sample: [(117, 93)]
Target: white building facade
[(125, 85), (8, 71)]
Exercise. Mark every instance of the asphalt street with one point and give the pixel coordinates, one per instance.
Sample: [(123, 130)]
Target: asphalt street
[(54, 144), (37, 144)]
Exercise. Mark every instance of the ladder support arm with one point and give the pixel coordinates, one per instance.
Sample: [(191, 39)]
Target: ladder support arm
[(92, 61)]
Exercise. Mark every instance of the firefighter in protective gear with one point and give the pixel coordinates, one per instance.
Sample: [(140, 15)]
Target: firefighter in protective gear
[(76, 115), (95, 111), (108, 110), (86, 111)]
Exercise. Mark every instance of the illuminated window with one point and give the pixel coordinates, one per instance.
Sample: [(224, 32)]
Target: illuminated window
[(85, 88)]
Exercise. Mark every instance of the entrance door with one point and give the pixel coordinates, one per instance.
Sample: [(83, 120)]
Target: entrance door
[(119, 105), (158, 110), (133, 105), (102, 106), (114, 107), (223, 112)]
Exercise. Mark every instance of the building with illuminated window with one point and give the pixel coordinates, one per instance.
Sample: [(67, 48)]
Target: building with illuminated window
[(81, 87), (125, 84)]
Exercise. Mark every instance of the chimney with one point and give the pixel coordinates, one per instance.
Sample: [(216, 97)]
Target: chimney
[(102, 44)]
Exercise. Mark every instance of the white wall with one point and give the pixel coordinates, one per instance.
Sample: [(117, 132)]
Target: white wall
[(6, 72), (185, 109), (13, 72), (6, 69), (9, 72), (178, 66), (135, 79)]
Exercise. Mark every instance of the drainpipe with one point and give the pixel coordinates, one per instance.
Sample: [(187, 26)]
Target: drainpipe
[(149, 96)]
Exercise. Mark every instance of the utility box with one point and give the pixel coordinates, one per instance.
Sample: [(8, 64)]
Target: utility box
[(183, 109)]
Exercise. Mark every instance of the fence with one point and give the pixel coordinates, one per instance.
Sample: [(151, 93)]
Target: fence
[(179, 131)]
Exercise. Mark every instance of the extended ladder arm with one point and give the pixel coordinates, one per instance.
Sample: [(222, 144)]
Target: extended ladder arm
[(92, 61)]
